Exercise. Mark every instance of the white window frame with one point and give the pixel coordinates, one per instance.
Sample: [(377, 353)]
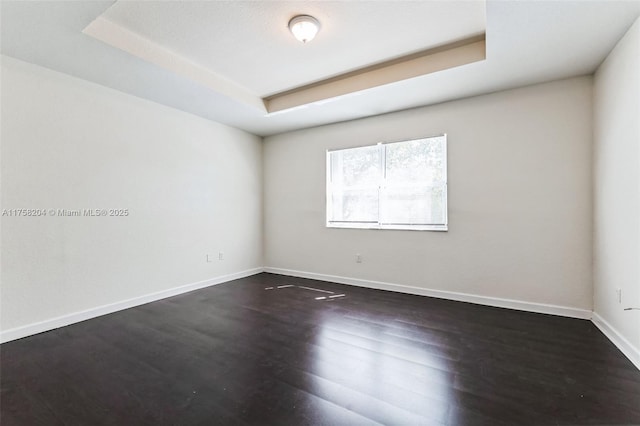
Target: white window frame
[(381, 186)]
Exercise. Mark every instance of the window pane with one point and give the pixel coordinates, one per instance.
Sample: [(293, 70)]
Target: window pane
[(356, 167), (400, 185), (355, 205), (420, 161), (413, 205)]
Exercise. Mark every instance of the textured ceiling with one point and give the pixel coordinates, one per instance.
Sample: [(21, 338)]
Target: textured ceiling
[(527, 42)]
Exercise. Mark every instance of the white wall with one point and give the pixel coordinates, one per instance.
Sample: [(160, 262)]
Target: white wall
[(192, 187), (520, 221), (617, 191)]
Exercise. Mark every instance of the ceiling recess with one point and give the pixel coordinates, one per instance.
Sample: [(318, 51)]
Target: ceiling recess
[(417, 64)]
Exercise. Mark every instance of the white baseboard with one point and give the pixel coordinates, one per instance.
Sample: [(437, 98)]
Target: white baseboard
[(542, 308), (617, 339), (53, 323), (611, 333)]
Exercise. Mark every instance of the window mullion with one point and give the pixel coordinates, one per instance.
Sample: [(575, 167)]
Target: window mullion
[(383, 177)]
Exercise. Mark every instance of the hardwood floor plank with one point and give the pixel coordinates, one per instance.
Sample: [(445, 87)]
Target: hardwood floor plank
[(237, 354)]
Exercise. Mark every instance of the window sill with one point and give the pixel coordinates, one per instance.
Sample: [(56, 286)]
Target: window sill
[(439, 228)]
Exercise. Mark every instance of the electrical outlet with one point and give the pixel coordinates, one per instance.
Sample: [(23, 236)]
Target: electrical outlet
[(221, 256), (358, 258), (619, 294), (209, 258)]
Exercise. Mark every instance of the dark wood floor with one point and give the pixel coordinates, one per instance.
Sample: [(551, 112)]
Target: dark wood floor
[(238, 353)]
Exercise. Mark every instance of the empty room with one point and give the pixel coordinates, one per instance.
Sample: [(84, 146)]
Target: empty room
[(320, 212)]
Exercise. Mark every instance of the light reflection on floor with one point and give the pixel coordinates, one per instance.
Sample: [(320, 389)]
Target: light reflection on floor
[(378, 371)]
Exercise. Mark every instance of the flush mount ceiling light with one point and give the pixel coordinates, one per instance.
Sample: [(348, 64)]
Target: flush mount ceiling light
[(304, 27)]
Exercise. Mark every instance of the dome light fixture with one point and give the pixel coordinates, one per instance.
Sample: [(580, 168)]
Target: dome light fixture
[(304, 27)]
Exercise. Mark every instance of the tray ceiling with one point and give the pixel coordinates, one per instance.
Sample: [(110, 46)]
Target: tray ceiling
[(220, 59)]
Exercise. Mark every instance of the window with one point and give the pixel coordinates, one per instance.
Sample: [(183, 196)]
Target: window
[(400, 185)]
